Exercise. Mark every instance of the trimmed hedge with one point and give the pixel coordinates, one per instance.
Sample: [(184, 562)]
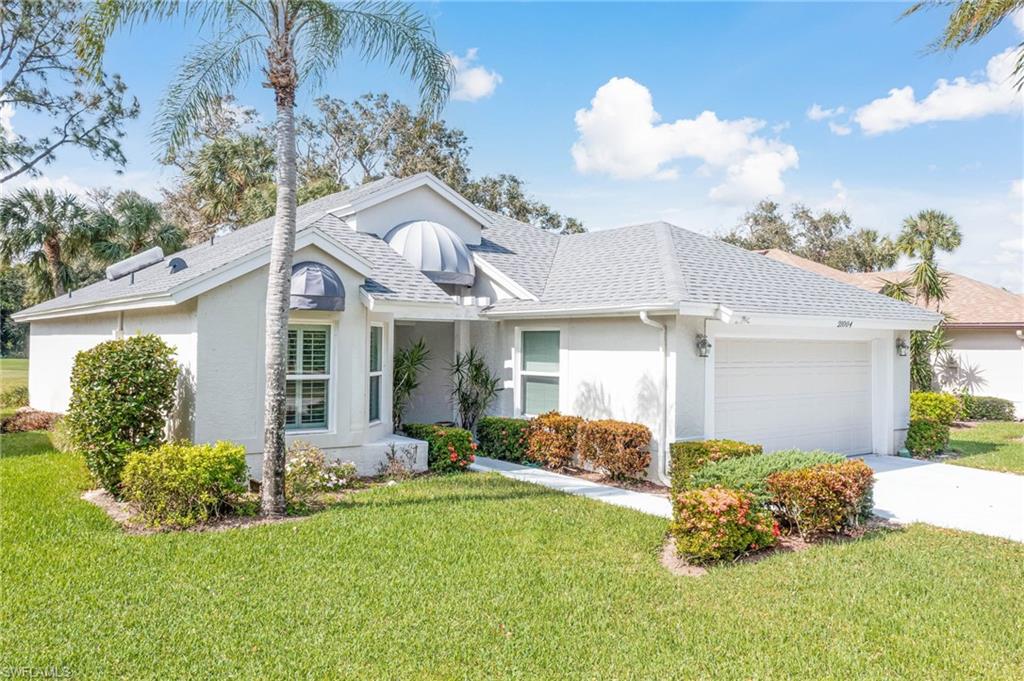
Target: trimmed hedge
[(716, 524), (180, 484), (978, 408), (122, 392), (830, 497), (926, 438), (448, 449), (938, 407), (503, 438), (750, 473), (688, 457), (617, 447), (552, 439)]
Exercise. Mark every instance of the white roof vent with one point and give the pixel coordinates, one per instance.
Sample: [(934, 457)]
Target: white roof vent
[(135, 263), (435, 250)]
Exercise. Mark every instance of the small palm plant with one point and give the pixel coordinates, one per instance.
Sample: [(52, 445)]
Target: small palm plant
[(408, 364), (474, 387)]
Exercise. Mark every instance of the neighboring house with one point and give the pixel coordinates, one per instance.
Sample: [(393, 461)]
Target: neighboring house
[(985, 329), (608, 324)]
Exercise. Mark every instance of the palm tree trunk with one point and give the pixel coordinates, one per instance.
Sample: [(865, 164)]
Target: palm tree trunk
[(51, 250), (278, 289)]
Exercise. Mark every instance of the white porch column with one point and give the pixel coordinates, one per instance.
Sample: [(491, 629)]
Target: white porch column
[(460, 347)]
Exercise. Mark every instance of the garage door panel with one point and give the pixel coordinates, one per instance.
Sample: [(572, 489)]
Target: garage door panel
[(794, 394)]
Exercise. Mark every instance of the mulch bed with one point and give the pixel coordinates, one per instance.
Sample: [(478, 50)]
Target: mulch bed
[(671, 561)]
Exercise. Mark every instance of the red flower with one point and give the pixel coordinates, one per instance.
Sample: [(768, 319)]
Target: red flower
[(472, 457), (453, 456), (472, 445)]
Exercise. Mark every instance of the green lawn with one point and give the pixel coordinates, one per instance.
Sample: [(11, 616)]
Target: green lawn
[(13, 373), (475, 576), (997, 446)]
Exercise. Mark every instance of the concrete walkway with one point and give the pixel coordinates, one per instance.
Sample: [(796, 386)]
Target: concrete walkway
[(957, 497), (906, 491), (651, 504)]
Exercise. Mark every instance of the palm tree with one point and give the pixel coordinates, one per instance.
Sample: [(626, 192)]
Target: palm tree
[(47, 230), (132, 224), (289, 42), (922, 235), (972, 20)]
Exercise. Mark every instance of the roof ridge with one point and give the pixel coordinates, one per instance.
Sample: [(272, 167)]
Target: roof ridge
[(675, 285)]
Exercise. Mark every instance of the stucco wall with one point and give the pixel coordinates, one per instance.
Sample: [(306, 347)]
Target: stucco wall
[(230, 372), (54, 343), (991, 363), (419, 204)]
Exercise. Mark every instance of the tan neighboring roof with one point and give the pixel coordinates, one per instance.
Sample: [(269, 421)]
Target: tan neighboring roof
[(970, 302)]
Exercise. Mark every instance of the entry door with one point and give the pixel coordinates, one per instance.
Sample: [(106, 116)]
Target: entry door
[(785, 394)]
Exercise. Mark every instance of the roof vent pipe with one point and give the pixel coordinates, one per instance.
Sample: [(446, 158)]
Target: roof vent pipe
[(135, 263)]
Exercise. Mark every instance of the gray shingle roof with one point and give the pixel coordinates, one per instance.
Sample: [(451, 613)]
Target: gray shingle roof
[(659, 264), (656, 264)]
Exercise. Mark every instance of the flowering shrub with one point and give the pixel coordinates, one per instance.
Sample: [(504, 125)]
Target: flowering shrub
[(552, 439), (180, 484), (751, 473), (716, 523), (503, 438), (978, 408), (688, 457), (448, 449), (308, 475), (617, 447), (938, 407), (28, 418), (122, 392), (826, 498), (925, 438)]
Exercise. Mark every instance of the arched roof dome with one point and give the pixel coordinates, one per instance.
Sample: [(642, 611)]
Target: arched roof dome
[(435, 250)]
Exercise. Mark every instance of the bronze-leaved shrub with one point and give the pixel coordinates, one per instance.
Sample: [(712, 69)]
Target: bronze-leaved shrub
[(27, 418), (552, 439), (616, 447), (122, 392), (831, 497), (716, 523)]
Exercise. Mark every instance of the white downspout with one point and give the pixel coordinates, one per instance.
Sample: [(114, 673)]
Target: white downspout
[(661, 469)]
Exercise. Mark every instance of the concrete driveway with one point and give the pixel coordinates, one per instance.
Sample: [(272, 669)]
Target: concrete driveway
[(957, 497)]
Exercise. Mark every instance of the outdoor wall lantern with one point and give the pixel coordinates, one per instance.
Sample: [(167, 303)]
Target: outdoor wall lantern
[(703, 345), (901, 347)]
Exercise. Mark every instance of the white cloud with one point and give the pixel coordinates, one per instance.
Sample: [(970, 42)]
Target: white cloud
[(959, 99), (839, 129), (1017, 188), (622, 135), (62, 184), (6, 127), (1018, 20), (472, 82), (818, 113)]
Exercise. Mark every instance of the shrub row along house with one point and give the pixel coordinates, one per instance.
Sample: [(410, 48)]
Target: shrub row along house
[(651, 323)]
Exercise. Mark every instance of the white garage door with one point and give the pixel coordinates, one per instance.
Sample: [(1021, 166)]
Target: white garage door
[(794, 394)]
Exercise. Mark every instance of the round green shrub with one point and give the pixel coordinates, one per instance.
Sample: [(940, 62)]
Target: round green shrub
[(449, 450), (938, 407), (980, 408), (716, 523), (180, 484), (926, 438), (504, 438), (122, 393)]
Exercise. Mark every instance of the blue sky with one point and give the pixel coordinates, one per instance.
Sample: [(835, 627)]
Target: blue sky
[(642, 146)]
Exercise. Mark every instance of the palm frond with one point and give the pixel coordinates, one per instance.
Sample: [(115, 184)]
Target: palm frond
[(207, 75)]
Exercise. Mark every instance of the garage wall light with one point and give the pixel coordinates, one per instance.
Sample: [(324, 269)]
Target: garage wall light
[(901, 347), (703, 345)]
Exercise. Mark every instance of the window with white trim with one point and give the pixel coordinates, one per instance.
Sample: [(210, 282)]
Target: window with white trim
[(376, 370), (309, 377), (539, 372)]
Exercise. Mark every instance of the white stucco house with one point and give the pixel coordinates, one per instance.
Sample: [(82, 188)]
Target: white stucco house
[(985, 329), (650, 323)]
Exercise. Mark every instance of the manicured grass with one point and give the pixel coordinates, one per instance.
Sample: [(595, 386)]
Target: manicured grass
[(996, 445), (475, 576), (13, 373)]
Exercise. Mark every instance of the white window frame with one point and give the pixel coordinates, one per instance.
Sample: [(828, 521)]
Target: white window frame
[(370, 373), (299, 429), (520, 373)]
